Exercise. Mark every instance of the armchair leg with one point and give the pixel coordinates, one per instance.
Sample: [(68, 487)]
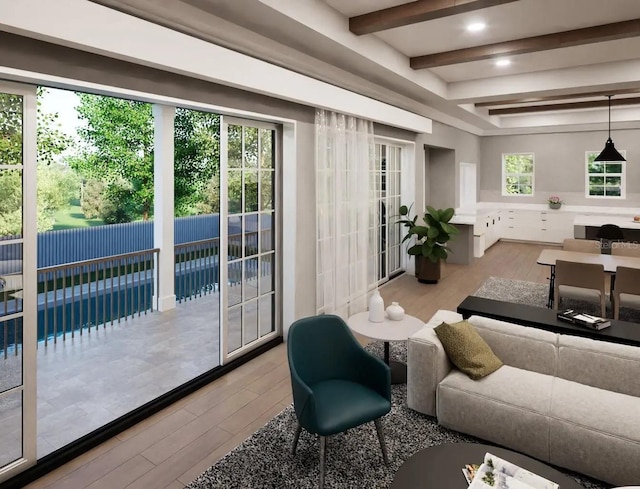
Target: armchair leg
[(296, 437), (378, 423), (323, 447)]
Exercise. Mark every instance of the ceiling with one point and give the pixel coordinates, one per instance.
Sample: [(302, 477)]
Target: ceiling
[(565, 55)]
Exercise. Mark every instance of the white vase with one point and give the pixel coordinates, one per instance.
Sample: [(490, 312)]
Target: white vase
[(376, 308), (395, 312)]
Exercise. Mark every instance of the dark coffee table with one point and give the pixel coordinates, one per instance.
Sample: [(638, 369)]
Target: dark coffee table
[(441, 466)]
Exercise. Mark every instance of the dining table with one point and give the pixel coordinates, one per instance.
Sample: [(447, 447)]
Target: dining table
[(549, 257)]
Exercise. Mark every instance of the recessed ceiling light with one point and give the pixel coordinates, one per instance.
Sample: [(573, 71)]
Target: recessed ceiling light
[(503, 62), (476, 27)]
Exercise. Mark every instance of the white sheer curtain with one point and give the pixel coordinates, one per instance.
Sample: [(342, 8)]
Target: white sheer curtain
[(344, 153)]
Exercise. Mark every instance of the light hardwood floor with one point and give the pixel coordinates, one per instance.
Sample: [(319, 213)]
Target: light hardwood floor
[(171, 448)]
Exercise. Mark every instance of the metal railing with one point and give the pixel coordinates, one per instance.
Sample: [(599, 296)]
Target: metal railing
[(197, 268), (81, 296)]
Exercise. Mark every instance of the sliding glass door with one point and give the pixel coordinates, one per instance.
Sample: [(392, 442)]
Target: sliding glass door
[(386, 172), (17, 278), (249, 201)]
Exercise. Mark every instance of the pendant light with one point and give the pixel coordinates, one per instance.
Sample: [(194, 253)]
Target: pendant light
[(610, 153)]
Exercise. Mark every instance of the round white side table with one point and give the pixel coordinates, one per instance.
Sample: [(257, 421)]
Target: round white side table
[(387, 331)]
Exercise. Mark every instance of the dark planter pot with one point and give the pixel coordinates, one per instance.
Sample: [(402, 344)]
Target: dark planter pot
[(428, 272)]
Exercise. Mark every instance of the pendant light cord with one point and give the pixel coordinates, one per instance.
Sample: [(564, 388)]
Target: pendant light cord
[(609, 116)]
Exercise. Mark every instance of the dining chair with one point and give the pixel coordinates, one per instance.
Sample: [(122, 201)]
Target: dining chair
[(626, 291), (581, 281), (625, 249), (581, 245), (608, 234), (337, 385)]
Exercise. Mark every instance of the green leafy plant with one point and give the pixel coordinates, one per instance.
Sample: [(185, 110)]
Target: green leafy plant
[(430, 236)]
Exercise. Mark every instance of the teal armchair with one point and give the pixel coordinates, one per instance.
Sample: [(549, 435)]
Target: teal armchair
[(337, 384)]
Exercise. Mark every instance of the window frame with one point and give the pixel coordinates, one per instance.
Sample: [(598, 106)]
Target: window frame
[(505, 174), (623, 176)]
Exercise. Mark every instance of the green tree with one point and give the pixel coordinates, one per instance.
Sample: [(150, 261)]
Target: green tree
[(118, 139), (10, 203), (10, 154), (91, 199), (197, 161), (119, 148), (51, 141), (56, 185), (10, 129)]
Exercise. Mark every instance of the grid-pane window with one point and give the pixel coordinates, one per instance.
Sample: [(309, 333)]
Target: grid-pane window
[(517, 173), (605, 178)]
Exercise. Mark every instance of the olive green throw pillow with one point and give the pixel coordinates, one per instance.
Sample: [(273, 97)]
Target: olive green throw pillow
[(467, 350)]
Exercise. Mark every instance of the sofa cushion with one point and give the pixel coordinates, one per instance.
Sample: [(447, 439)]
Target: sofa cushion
[(467, 350), (509, 407), (595, 431), (519, 346), (600, 364), (509, 385)]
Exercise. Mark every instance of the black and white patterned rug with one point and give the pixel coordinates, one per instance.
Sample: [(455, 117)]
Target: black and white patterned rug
[(535, 294), (354, 459)]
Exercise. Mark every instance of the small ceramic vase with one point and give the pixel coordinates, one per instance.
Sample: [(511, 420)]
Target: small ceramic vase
[(376, 308), (395, 312)]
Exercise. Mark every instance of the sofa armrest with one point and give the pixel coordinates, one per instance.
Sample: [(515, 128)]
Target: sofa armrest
[(427, 365)]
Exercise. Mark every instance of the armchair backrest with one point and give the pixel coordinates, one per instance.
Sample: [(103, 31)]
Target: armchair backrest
[(320, 348)]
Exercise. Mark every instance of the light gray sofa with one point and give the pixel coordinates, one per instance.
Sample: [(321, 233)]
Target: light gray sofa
[(567, 400)]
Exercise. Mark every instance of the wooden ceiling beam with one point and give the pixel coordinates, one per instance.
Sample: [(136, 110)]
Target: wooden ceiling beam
[(551, 98), (566, 106), (414, 12), (577, 37)]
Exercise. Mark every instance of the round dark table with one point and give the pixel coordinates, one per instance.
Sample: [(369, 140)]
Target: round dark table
[(441, 466)]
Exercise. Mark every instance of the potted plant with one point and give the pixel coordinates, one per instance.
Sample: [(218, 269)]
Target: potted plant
[(554, 202), (429, 240)]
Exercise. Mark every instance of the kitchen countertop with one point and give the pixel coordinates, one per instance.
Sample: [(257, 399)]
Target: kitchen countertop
[(626, 222), (469, 219)]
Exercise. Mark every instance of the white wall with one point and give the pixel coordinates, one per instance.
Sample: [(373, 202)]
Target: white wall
[(439, 181), (559, 165)]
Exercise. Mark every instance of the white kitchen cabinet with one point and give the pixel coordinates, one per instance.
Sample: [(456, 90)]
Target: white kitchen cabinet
[(487, 231), (542, 226), (556, 226)]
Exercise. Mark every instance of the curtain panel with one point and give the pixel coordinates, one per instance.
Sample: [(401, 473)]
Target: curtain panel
[(344, 192)]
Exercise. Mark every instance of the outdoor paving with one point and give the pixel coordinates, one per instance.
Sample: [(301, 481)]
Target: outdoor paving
[(94, 378), (91, 379)]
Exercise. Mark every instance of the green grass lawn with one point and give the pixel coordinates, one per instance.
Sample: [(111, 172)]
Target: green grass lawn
[(72, 217)]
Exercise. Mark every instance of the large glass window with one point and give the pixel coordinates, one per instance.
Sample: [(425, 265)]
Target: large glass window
[(604, 178), (517, 174)]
